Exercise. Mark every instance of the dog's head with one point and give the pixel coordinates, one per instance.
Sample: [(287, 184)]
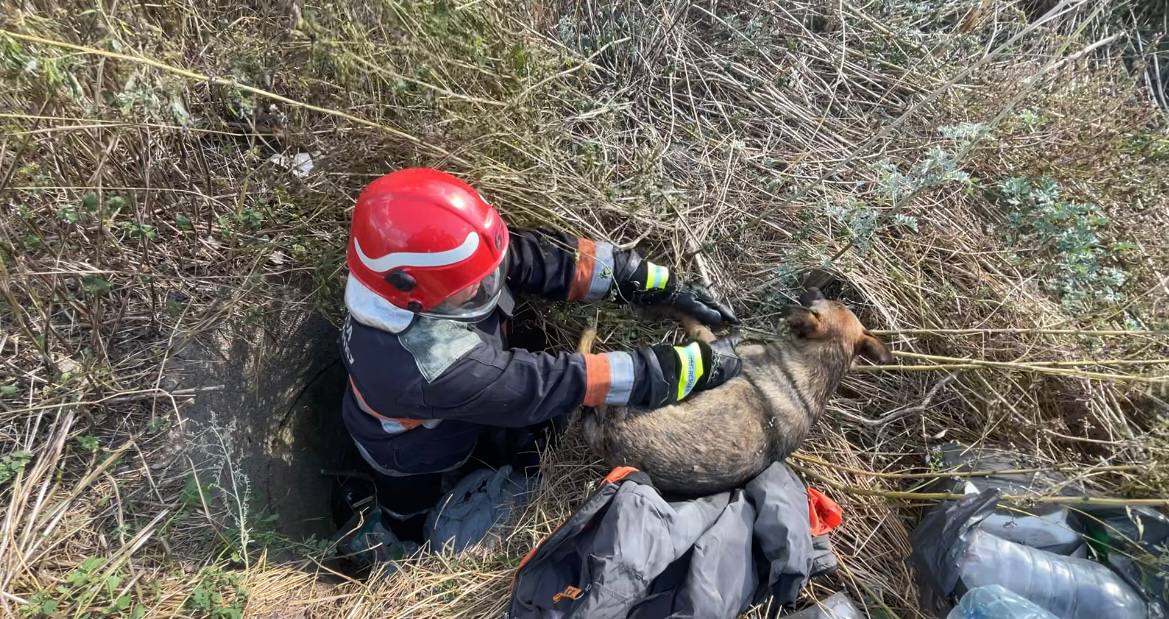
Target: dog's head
[(818, 318)]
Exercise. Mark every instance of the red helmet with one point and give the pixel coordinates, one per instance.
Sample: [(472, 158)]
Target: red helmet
[(427, 242)]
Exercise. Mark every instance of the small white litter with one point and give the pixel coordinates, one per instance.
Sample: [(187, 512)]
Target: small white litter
[(299, 164)]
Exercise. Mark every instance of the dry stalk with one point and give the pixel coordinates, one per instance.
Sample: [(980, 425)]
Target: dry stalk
[(758, 139)]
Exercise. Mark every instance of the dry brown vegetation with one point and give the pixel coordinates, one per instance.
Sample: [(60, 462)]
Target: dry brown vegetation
[(750, 143)]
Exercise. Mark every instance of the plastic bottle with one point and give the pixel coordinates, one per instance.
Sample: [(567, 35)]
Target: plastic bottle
[(995, 602), (837, 606), (1068, 587), (1048, 531)]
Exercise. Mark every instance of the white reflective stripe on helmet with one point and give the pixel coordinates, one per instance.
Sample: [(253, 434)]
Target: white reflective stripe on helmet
[(394, 260)]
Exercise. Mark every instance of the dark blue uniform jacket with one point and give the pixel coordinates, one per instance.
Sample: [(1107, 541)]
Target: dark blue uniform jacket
[(419, 398)]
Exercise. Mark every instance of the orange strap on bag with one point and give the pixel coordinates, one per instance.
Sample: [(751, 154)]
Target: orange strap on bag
[(614, 476), (824, 514)]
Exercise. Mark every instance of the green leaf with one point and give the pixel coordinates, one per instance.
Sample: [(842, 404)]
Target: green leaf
[(89, 201), (32, 242), (201, 598), (77, 578), (116, 203), (179, 111), (182, 222), (68, 214), (964, 132), (908, 222), (13, 463), (519, 59), (88, 443), (95, 285), (250, 218), (141, 231), (9, 390)]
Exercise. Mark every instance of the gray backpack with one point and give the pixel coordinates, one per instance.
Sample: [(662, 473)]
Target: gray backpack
[(628, 552)]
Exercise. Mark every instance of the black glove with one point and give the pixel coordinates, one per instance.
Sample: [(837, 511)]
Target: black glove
[(725, 355), (645, 283), (695, 367)]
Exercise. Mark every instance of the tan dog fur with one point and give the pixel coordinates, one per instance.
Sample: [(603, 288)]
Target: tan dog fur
[(721, 438)]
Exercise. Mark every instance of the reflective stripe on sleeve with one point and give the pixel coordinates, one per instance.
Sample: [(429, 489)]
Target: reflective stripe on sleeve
[(620, 378), (582, 277), (690, 368), (609, 378), (596, 380), (656, 276), (375, 465), (602, 276)]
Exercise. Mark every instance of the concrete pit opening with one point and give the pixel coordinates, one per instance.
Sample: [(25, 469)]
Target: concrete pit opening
[(268, 399)]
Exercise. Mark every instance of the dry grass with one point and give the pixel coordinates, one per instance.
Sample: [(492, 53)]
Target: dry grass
[(749, 143)]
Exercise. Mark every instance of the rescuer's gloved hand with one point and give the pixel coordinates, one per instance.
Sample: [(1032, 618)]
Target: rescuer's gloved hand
[(696, 366), (645, 283)]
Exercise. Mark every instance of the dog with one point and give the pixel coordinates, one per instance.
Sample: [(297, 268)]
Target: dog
[(719, 439)]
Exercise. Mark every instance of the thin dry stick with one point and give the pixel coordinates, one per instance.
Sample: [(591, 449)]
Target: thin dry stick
[(1112, 362), (1119, 468), (865, 369), (902, 201), (192, 75), (903, 413), (1039, 369), (1006, 498), (1020, 331), (976, 366)]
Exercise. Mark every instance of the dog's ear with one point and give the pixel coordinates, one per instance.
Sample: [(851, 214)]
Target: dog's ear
[(810, 296), (874, 350), (804, 323)]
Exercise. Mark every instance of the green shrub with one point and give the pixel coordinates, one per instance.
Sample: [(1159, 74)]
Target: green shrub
[(1067, 235)]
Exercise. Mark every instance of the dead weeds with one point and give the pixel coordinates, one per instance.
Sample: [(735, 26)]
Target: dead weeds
[(748, 143)]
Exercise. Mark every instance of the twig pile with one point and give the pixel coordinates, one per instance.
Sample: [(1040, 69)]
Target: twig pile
[(760, 147)]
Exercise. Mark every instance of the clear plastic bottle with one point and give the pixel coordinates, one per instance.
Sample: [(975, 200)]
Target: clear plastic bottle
[(1068, 587), (995, 602), (1048, 530), (837, 606)]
